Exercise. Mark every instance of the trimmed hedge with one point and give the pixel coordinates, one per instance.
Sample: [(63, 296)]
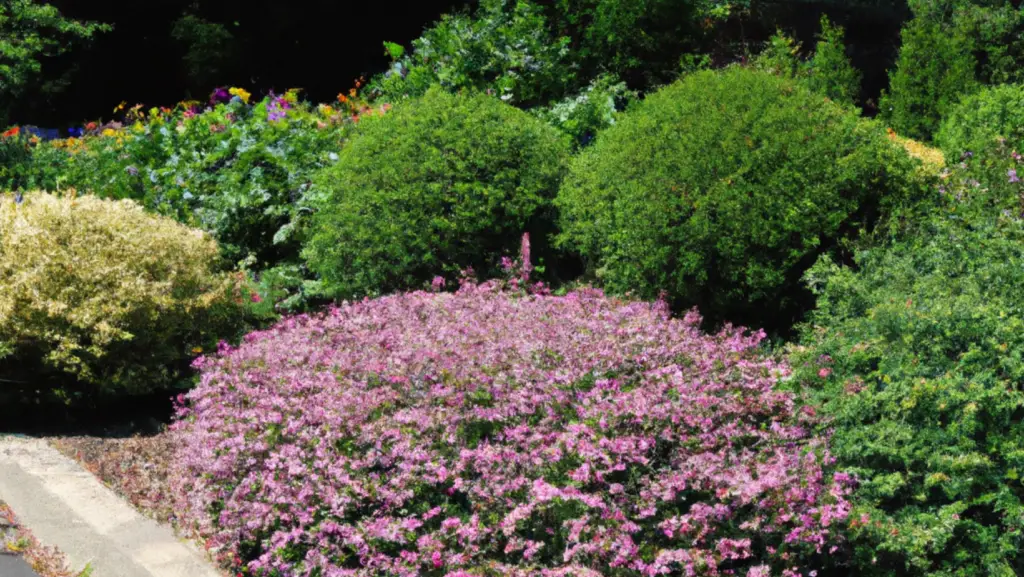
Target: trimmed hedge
[(440, 183), (99, 298), (722, 188)]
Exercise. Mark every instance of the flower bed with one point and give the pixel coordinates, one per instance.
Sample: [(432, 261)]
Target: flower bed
[(494, 433)]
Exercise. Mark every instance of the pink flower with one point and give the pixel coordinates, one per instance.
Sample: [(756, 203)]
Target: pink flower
[(436, 559), (825, 372)]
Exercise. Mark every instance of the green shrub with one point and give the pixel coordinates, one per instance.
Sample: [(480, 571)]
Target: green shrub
[(504, 46), (439, 183), (934, 69), (982, 118), (951, 48), (916, 357), (827, 71), (722, 188), (99, 298)]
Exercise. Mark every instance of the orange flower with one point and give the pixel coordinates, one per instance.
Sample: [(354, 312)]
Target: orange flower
[(13, 131), (342, 99)]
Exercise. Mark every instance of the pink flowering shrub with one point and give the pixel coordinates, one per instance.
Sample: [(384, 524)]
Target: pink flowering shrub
[(486, 432)]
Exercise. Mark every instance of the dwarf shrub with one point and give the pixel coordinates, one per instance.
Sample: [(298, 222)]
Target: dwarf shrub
[(98, 297), (487, 432), (721, 188), (980, 119), (439, 183), (917, 356)]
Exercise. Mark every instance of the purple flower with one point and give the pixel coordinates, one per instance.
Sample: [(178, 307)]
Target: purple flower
[(331, 430), (219, 95), (1012, 173)]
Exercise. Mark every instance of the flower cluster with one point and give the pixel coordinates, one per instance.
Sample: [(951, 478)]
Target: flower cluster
[(486, 432)]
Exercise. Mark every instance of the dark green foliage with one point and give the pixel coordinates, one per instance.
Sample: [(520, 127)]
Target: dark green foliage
[(830, 71), (505, 46), (640, 41), (31, 32), (722, 188), (916, 357), (935, 68), (440, 183), (980, 119), (827, 71), (949, 49)]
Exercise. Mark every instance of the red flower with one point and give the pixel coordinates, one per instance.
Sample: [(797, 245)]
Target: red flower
[(13, 131)]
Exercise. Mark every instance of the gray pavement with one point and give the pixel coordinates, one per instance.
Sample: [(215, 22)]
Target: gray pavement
[(14, 566), (65, 506)]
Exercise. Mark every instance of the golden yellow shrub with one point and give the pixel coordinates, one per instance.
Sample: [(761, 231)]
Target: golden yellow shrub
[(100, 296)]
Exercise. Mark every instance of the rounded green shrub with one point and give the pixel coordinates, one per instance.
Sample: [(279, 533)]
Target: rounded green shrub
[(438, 184), (982, 118), (99, 298), (722, 188)]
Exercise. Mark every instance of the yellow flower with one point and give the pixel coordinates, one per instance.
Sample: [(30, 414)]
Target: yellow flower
[(121, 106), (241, 93), (197, 350), (109, 132), (292, 95)]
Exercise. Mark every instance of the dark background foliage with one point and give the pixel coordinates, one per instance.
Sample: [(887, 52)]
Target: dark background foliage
[(162, 51), (319, 45)]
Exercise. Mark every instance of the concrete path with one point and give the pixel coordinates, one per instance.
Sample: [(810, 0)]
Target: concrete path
[(11, 565), (67, 507)]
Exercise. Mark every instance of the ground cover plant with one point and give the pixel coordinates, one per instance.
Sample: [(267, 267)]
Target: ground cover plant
[(494, 432), (916, 357), (98, 297), (722, 188)]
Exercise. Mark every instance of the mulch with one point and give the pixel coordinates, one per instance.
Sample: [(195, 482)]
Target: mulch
[(136, 468)]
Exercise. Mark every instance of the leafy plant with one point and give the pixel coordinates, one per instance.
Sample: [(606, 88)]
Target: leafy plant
[(499, 432), (438, 184), (915, 356), (240, 169), (976, 124), (827, 71), (722, 188), (505, 46), (31, 32), (98, 298)]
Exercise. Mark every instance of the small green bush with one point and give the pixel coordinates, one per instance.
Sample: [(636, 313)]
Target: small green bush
[(982, 118), (827, 71), (440, 183), (98, 298), (916, 357), (934, 69), (722, 188)]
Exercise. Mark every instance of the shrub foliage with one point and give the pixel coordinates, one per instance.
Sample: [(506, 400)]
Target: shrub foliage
[(917, 356), (438, 184), (99, 297), (976, 124), (494, 433), (721, 189)]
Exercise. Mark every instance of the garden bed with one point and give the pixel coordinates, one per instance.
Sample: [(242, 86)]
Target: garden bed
[(135, 467)]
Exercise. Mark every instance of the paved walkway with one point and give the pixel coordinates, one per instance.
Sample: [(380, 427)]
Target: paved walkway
[(67, 507)]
